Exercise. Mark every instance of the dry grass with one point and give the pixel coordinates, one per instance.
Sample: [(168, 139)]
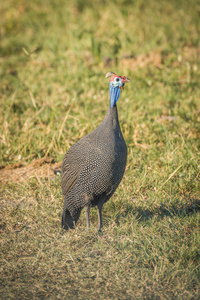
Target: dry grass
[(44, 167)]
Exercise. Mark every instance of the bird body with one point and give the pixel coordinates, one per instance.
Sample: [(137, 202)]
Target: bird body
[(93, 168)]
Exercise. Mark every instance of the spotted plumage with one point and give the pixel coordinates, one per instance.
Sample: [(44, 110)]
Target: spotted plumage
[(94, 166)]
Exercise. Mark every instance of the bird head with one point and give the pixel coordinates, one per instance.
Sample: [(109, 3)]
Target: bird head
[(115, 85)]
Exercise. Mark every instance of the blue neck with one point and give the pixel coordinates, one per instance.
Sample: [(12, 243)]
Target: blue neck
[(114, 94)]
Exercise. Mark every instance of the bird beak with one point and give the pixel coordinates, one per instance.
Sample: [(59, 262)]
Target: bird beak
[(125, 79)]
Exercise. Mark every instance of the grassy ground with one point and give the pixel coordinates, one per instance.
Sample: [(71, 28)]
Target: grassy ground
[(54, 57)]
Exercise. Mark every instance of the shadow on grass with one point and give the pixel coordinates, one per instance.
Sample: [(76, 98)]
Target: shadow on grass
[(142, 214)]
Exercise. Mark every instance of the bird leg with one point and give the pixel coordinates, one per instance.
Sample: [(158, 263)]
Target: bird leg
[(99, 208), (87, 214)]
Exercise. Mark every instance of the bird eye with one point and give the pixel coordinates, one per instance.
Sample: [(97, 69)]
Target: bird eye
[(117, 79)]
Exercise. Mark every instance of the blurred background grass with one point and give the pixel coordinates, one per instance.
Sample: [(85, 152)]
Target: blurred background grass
[(54, 56), (53, 91)]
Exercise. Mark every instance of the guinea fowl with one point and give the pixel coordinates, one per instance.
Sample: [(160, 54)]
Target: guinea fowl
[(93, 167)]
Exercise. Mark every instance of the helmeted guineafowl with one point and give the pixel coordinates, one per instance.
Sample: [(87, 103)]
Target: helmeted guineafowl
[(94, 166)]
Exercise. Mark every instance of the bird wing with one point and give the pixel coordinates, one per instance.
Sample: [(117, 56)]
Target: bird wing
[(77, 158), (73, 163)]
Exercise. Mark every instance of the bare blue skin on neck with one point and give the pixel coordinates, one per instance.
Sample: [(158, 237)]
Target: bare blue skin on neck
[(114, 93)]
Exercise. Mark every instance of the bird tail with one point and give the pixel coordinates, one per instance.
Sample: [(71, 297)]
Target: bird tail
[(67, 220)]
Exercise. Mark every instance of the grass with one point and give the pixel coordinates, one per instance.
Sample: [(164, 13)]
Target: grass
[(54, 56)]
